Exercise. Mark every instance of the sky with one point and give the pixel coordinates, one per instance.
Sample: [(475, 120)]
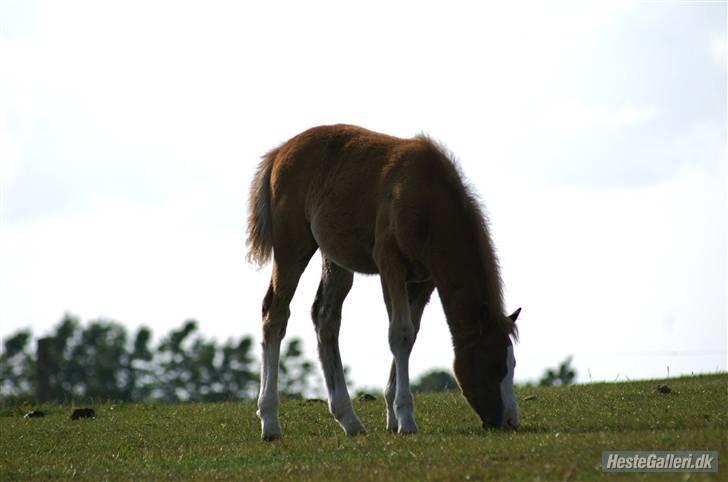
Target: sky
[(593, 132)]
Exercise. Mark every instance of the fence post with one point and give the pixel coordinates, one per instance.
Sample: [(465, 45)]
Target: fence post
[(42, 369)]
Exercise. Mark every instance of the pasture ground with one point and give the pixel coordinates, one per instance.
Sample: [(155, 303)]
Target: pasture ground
[(564, 431)]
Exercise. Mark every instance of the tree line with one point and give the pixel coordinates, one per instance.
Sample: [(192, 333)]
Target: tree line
[(103, 361)]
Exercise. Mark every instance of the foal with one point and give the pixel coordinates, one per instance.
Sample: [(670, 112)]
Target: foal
[(373, 203)]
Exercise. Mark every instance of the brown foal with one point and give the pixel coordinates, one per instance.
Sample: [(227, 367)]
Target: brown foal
[(373, 203)]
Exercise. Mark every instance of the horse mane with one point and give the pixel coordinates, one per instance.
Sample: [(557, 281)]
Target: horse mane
[(478, 222)]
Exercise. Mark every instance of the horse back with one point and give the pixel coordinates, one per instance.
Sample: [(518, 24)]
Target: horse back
[(351, 187)]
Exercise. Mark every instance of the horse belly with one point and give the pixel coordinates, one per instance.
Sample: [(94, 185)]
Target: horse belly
[(348, 247)]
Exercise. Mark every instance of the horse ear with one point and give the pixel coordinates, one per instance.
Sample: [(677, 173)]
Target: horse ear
[(514, 316)]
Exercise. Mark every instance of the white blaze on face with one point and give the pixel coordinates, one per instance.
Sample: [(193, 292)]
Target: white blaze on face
[(508, 396)]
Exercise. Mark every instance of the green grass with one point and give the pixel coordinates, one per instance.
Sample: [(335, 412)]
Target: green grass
[(563, 432)]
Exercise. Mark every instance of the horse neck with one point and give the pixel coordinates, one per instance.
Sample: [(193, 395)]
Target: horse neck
[(463, 264), (472, 304)]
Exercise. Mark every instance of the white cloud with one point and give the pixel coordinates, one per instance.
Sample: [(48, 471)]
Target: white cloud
[(578, 114), (575, 124), (718, 48), (9, 158)]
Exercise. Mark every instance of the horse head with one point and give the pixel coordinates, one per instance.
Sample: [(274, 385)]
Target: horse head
[(484, 368)]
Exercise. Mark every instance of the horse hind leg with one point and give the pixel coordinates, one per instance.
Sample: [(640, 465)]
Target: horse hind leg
[(418, 295), (326, 314), (284, 281)]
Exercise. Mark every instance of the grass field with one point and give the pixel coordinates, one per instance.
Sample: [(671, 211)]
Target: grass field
[(563, 432)]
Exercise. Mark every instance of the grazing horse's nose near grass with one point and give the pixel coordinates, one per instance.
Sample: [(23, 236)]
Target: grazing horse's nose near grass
[(511, 420), (508, 425)]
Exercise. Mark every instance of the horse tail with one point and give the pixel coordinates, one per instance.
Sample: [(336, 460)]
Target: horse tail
[(260, 223)]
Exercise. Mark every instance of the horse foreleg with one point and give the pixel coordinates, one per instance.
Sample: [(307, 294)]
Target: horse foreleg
[(401, 333), (326, 314), (418, 295)]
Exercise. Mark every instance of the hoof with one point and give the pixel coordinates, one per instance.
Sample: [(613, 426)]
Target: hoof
[(360, 431), (352, 426), (407, 426), (270, 431), (270, 437)]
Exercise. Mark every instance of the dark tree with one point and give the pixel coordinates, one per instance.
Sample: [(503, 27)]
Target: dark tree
[(62, 373), (237, 377), (17, 366), (102, 362), (176, 373), (141, 373), (190, 367), (564, 374), (435, 381), (87, 364)]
